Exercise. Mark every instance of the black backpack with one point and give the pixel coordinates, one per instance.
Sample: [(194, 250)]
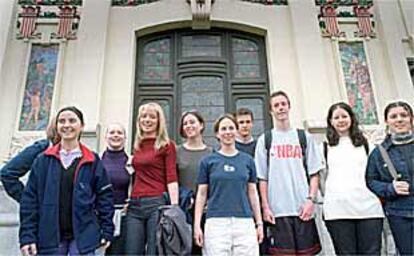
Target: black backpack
[(303, 144)]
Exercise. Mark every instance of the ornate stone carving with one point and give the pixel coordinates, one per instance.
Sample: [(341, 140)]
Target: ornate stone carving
[(18, 143), (62, 13), (124, 3), (268, 2), (201, 11), (333, 13)]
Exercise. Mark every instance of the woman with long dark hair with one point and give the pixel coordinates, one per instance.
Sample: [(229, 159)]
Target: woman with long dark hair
[(66, 207), (396, 189), (352, 213)]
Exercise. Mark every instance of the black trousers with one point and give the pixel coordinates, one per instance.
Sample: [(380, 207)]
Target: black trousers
[(356, 237)]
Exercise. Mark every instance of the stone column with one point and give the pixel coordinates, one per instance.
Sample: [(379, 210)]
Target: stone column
[(391, 30), (84, 62), (6, 26), (308, 44)]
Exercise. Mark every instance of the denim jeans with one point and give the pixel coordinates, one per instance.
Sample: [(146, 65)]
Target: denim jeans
[(68, 247), (402, 229), (141, 225), (356, 236)]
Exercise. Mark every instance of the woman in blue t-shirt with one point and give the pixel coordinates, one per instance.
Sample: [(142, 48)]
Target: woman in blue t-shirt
[(227, 179)]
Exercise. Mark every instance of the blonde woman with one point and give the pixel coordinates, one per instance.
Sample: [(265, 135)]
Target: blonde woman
[(115, 159), (154, 162)]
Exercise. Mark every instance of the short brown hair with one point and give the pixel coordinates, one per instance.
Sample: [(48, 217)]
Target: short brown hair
[(244, 111), (279, 93)]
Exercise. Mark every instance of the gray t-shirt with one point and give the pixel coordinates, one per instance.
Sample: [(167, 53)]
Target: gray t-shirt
[(187, 165), (287, 183)]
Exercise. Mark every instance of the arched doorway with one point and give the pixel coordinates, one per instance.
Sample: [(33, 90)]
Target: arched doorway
[(215, 72)]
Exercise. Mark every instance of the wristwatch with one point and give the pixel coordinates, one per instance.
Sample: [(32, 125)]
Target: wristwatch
[(312, 199), (259, 224)]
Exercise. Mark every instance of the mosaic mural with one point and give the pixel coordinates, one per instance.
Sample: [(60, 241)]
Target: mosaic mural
[(358, 81), (38, 92)]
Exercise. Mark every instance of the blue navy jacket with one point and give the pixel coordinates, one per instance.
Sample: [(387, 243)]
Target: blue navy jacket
[(92, 203), (379, 180), (18, 166)]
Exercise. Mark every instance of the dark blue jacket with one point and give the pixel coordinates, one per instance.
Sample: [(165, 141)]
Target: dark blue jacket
[(92, 203), (379, 180), (18, 166)]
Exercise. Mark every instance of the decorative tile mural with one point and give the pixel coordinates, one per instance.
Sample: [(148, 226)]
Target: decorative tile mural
[(38, 92), (358, 81)]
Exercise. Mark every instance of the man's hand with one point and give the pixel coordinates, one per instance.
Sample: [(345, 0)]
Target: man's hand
[(268, 215), (29, 249), (306, 211)]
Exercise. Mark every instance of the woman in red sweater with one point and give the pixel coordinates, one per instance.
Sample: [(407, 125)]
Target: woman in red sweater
[(154, 162)]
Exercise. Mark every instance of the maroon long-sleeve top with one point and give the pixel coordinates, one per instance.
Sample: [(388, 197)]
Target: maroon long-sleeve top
[(154, 169)]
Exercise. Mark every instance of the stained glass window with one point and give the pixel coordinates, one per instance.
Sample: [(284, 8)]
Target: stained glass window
[(410, 62), (156, 62), (40, 83), (358, 81), (246, 62), (205, 94), (201, 45)]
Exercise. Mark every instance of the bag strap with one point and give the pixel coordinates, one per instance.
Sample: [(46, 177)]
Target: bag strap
[(390, 165), (366, 147), (303, 144), (268, 143)]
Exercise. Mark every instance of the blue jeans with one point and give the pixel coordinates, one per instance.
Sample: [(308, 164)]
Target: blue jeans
[(402, 229), (141, 225), (68, 247)]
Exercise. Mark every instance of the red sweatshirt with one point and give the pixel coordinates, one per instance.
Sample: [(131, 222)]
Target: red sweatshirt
[(154, 169)]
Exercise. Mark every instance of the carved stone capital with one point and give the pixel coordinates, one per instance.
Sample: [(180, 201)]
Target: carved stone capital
[(201, 12)]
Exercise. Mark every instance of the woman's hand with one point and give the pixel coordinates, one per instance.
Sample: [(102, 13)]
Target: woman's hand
[(401, 187), (259, 232), (29, 249), (198, 236)]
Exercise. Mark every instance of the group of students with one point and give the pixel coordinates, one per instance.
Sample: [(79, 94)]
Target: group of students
[(76, 202)]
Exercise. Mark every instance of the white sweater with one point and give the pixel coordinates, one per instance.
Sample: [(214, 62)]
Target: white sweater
[(346, 195)]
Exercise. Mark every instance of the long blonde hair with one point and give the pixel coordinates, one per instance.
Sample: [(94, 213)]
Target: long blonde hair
[(162, 138)]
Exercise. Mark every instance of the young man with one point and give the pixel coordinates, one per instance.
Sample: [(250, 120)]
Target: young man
[(287, 190), (244, 140)]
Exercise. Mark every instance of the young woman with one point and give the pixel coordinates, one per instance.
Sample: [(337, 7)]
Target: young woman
[(114, 159), (398, 194), (154, 162), (189, 155), (192, 150), (227, 179), (352, 213), (66, 207)]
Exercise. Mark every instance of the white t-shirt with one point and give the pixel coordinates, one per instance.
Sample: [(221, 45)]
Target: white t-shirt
[(287, 182), (346, 194)]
